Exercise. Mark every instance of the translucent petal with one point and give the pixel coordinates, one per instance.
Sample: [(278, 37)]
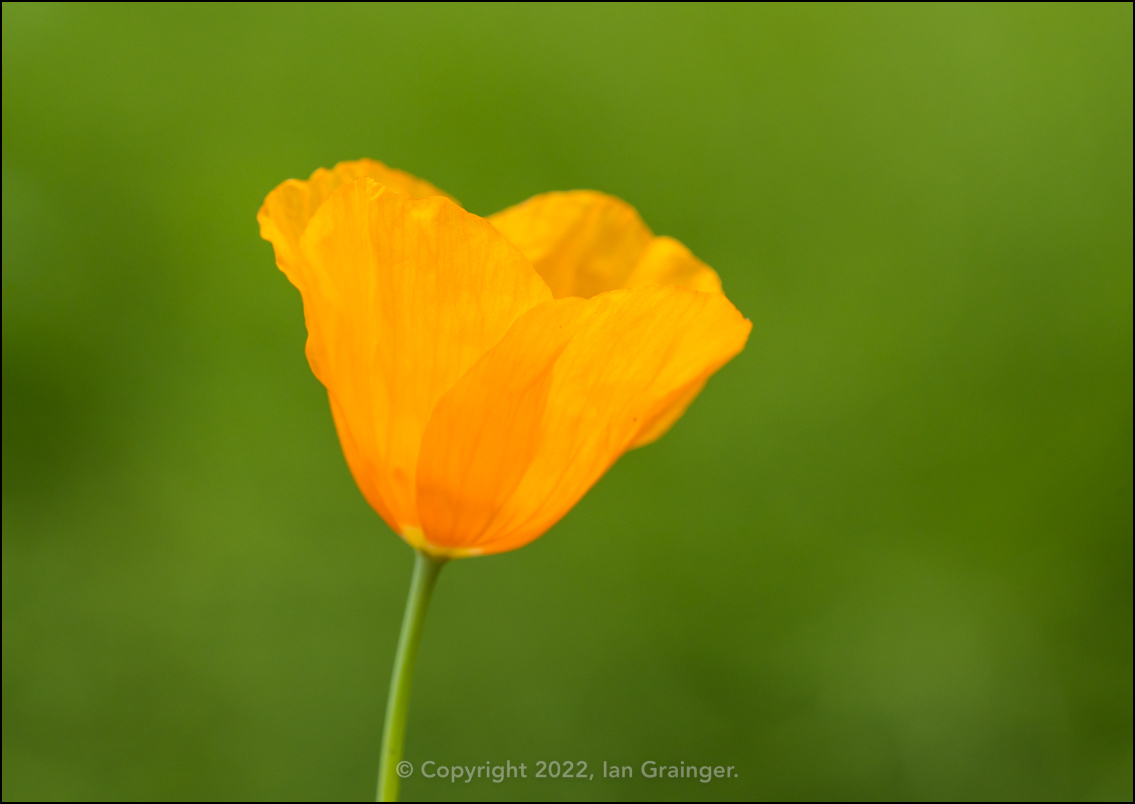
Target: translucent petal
[(541, 416), (668, 262), (581, 242), (401, 298), (288, 209)]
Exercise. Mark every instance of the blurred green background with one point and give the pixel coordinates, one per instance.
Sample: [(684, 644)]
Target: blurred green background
[(887, 554)]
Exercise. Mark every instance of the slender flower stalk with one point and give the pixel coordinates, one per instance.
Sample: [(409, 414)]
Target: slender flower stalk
[(426, 569)]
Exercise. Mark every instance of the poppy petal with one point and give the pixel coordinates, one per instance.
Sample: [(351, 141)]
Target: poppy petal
[(582, 242), (668, 262), (401, 297), (541, 416), (288, 209), (664, 420)]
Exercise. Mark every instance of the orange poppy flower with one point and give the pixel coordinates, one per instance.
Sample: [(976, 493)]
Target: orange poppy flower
[(484, 373)]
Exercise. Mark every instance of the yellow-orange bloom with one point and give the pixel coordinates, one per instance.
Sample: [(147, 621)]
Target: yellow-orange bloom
[(484, 373)]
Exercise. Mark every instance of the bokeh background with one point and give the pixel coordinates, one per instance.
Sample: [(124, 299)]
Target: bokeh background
[(887, 554)]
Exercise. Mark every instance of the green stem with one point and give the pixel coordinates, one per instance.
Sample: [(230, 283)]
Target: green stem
[(426, 568)]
